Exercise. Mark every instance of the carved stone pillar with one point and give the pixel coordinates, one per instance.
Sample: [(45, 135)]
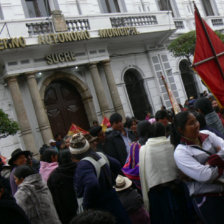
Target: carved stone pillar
[(24, 124), (113, 88), (97, 82), (41, 115), (87, 100)]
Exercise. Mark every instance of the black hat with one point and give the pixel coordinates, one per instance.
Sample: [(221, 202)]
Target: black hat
[(95, 131), (16, 153)]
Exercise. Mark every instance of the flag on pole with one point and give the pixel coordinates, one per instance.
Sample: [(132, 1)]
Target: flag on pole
[(173, 100), (105, 124), (209, 57), (74, 129)]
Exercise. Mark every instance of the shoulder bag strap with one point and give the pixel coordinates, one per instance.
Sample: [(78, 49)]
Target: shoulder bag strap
[(199, 148)]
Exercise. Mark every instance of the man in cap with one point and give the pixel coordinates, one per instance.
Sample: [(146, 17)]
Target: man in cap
[(52, 144), (93, 179), (18, 158)]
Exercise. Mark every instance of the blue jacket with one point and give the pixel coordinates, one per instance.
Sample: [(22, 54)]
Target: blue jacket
[(87, 185)]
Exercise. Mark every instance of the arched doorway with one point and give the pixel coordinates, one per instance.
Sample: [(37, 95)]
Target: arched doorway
[(136, 93), (64, 107), (188, 78)]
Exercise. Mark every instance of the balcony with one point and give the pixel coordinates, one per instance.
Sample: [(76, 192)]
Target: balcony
[(187, 24), (144, 22), (133, 21)]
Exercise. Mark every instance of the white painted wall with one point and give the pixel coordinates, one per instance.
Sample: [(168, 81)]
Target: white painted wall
[(13, 10)]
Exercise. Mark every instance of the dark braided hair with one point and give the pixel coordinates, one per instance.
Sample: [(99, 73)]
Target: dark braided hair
[(179, 122)]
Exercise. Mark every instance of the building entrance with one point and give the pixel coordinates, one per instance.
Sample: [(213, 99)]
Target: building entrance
[(64, 107), (137, 94)]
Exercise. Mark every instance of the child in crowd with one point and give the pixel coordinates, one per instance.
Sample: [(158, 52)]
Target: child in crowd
[(131, 201)]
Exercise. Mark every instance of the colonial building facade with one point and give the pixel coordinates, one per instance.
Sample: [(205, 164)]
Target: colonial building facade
[(73, 61)]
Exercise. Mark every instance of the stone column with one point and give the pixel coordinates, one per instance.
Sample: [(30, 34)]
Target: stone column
[(24, 125), (41, 115), (97, 82), (113, 88), (87, 100)]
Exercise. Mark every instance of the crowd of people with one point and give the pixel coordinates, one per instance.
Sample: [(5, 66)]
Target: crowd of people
[(165, 169)]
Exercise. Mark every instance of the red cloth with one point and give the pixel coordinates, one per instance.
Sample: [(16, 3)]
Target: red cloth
[(74, 129), (215, 160), (209, 70), (106, 122)]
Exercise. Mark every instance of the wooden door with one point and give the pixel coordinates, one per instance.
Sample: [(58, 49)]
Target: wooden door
[(64, 107)]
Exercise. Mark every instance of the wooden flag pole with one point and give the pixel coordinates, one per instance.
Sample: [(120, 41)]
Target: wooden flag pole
[(209, 41), (173, 100)]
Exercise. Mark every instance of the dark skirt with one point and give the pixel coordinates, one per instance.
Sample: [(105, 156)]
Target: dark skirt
[(169, 205), (210, 209)]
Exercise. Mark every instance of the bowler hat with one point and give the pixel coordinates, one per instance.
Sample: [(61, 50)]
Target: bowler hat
[(16, 153)]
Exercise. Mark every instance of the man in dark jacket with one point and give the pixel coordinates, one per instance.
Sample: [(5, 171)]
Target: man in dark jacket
[(60, 184), (117, 141), (204, 106), (93, 179)]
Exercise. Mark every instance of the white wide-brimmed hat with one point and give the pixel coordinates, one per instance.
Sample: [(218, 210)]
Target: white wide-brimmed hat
[(122, 183)]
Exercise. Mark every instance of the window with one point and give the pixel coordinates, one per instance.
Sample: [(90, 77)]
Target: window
[(169, 5), (112, 6), (1, 13), (164, 5), (78, 7), (208, 8), (162, 67), (37, 8)]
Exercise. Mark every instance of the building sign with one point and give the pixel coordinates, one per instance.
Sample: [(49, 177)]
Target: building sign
[(54, 38), (9, 43), (60, 57), (118, 32)]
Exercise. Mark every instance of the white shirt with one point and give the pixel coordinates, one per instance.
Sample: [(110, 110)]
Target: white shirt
[(191, 161)]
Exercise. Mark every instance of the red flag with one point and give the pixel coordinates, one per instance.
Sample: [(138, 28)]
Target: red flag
[(208, 45), (105, 124), (76, 129)]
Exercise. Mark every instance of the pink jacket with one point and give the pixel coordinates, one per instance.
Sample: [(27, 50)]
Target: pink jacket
[(46, 169)]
